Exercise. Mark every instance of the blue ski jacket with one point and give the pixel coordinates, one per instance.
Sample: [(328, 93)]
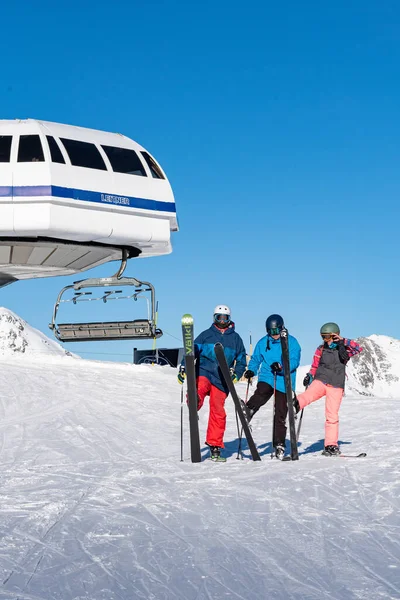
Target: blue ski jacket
[(207, 364), (268, 351)]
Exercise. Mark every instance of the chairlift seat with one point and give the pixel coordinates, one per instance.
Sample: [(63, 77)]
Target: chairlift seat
[(113, 330)]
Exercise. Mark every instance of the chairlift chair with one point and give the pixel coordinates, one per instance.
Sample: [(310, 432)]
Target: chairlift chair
[(106, 330)]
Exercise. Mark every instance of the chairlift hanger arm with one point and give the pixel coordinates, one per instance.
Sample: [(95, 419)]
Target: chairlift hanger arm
[(124, 260)]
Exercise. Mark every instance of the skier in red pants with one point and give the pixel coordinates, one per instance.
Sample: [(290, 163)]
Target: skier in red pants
[(210, 381)]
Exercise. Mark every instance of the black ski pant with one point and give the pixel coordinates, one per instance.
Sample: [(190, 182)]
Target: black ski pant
[(263, 393)]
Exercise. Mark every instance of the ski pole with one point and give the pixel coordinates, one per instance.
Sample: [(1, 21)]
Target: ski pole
[(300, 420), (241, 431), (299, 426), (155, 349), (182, 424), (247, 393), (273, 419)]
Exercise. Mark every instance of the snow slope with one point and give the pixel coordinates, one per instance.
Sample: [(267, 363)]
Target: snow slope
[(95, 503)]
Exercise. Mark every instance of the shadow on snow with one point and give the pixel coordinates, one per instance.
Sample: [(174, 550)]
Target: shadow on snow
[(232, 446)]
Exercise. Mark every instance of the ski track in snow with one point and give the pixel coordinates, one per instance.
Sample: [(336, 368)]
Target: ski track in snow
[(95, 503)]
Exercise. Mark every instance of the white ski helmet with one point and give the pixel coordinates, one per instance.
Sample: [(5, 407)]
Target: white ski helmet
[(222, 309), (222, 315)]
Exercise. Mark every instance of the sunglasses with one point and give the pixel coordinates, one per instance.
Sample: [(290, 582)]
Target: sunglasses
[(327, 336)]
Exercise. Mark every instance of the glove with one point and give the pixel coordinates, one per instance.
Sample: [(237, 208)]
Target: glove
[(276, 367), (233, 376), (307, 379), (344, 357), (249, 374), (181, 374)]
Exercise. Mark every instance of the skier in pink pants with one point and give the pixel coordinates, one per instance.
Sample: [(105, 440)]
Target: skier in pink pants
[(327, 378)]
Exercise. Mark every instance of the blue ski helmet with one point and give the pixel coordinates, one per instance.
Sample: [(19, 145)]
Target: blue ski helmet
[(274, 324)]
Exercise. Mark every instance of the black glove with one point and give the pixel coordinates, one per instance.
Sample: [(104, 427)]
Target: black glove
[(276, 367), (307, 380), (249, 374)]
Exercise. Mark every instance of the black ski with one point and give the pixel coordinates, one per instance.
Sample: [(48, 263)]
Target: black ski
[(289, 393), (188, 344), (223, 365)]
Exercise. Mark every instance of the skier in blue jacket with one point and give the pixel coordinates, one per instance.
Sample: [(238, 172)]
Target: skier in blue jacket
[(209, 379), (267, 362)]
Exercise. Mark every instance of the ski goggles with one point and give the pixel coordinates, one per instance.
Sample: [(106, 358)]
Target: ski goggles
[(275, 330), (221, 318), (327, 336)]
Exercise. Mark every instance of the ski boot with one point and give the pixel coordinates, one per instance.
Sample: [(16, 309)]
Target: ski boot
[(279, 451), (216, 454), (331, 451)]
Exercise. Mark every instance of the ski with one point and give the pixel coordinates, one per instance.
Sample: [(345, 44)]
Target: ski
[(289, 393), (188, 345), (223, 365), (361, 455)]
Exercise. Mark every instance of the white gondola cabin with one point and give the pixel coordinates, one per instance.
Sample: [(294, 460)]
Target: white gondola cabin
[(73, 198)]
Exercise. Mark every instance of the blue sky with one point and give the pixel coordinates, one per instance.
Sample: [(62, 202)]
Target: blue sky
[(278, 127)]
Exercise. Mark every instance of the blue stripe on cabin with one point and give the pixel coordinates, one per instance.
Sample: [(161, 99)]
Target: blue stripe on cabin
[(33, 191)]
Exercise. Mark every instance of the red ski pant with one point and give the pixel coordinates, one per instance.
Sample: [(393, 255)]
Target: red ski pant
[(333, 399), (217, 417)]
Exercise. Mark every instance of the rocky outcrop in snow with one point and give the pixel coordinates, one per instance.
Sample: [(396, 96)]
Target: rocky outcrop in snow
[(376, 371), (19, 338)]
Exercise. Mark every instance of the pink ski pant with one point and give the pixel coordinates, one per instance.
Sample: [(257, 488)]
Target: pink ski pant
[(333, 399)]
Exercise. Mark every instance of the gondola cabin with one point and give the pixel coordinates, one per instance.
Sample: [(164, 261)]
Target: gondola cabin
[(72, 198)]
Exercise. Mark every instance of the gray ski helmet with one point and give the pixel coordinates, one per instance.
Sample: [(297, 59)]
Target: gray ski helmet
[(329, 328), (274, 324)]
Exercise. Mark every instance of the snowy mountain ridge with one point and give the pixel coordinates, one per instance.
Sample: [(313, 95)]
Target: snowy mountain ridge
[(18, 338), (375, 372)]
